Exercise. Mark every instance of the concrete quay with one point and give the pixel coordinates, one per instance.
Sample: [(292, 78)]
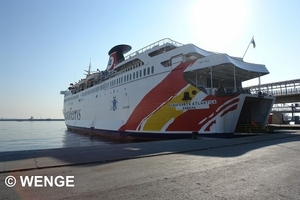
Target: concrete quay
[(253, 167), (39, 159)]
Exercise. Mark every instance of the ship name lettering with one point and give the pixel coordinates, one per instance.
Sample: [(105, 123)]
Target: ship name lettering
[(72, 114), (193, 103)]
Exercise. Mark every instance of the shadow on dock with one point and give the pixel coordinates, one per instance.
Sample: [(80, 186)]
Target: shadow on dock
[(37, 159)]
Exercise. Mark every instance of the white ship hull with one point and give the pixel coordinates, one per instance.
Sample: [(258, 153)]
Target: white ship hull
[(156, 100)]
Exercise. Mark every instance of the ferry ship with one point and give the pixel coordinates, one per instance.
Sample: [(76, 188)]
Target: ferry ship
[(167, 90)]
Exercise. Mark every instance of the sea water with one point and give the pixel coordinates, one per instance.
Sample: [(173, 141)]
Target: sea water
[(32, 135)]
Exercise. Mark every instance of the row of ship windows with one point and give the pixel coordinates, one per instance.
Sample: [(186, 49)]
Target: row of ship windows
[(87, 92), (132, 76), (136, 65), (129, 77), (71, 98)]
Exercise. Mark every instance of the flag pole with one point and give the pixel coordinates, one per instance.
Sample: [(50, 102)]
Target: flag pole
[(248, 47)]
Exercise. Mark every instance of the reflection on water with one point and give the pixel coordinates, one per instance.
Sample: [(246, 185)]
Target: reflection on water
[(74, 139), (18, 136)]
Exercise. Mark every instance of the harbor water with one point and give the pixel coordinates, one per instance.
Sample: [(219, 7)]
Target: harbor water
[(33, 135)]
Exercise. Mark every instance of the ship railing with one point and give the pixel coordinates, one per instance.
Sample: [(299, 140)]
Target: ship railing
[(282, 88), (278, 92), (253, 127), (287, 91), (158, 43), (284, 109), (225, 91)]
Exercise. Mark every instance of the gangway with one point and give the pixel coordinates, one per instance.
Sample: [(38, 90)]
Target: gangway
[(285, 108), (285, 91)]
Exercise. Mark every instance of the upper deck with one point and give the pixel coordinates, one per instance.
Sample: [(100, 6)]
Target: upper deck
[(159, 47), (210, 70)]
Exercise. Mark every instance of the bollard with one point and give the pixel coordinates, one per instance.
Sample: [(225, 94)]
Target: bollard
[(194, 135)]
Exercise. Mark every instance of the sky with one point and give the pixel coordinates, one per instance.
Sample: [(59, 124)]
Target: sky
[(46, 45)]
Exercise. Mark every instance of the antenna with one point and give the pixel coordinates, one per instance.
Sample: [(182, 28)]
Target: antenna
[(89, 69)]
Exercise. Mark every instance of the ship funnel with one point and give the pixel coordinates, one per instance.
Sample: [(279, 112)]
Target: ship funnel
[(116, 55)]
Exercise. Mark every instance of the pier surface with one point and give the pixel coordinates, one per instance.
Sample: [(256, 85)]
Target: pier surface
[(253, 167)]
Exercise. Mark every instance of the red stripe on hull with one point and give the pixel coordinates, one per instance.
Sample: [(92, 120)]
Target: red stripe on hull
[(168, 87), (190, 120)]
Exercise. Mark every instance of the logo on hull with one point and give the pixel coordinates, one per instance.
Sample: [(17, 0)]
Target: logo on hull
[(114, 103)]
